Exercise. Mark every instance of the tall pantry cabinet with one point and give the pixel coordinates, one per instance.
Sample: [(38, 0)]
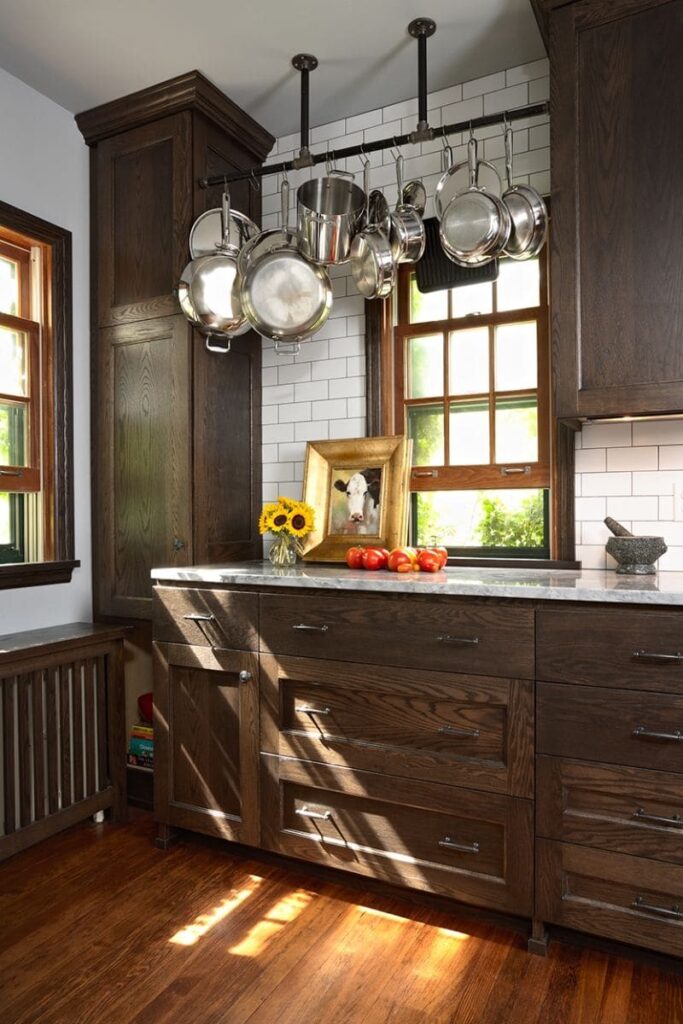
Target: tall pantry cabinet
[(176, 429)]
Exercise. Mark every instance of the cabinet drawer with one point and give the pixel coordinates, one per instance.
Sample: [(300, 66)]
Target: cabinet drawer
[(617, 727), (604, 647), (628, 810), (222, 619), (462, 730), (625, 898), (472, 846), (487, 639)]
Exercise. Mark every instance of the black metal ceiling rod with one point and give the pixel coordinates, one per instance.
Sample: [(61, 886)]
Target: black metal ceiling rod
[(304, 63), (262, 171), (421, 29)]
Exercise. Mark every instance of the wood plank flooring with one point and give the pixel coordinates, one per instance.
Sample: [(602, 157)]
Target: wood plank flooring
[(97, 926)]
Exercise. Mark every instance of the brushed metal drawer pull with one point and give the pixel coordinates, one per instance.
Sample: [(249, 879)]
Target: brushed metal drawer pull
[(197, 617), (641, 733), (11, 472), (306, 710), (304, 812), (675, 821), (674, 912), (656, 656), (510, 470), (451, 730), (465, 641), (447, 843), (312, 629)]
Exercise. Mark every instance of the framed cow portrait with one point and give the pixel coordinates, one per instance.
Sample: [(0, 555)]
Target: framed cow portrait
[(359, 490)]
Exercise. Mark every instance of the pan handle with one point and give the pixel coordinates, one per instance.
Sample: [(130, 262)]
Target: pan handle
[(283, 348), (222, 350), (366, 189), (284, 203), (472, 164), (399, 177), (225, 220), (508, 154), (446, 156)]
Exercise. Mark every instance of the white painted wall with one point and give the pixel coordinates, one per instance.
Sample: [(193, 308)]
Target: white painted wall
[(44, 170)]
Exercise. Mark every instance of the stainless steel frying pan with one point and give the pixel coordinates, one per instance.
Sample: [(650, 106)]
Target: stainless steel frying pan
[(527, 210), (476, 224), (372, 263)]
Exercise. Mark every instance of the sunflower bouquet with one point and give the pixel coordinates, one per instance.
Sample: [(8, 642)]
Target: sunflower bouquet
[(290, 521)]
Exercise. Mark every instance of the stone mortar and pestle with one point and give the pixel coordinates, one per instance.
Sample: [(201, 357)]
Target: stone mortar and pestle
[(635, 556)]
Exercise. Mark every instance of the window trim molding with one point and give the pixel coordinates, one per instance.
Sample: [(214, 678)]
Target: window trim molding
[(379, 345), (59, 319)]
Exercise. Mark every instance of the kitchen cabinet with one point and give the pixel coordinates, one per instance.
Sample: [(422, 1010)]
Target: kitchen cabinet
[(616, 165), (176, 429)]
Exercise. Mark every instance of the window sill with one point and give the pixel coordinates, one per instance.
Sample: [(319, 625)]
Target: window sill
[(35, 574)]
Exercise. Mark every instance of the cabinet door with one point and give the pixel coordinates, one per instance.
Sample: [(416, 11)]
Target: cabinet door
[(142, 183), (206, 740), (142, 496), (617, 246)]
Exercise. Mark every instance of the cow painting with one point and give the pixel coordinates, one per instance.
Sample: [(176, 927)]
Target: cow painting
[(354, 509)]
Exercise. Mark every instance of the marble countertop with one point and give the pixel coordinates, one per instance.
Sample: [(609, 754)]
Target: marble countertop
[(665, 588)]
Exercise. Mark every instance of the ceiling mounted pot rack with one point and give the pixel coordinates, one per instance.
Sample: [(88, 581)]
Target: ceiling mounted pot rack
[(421, 29)]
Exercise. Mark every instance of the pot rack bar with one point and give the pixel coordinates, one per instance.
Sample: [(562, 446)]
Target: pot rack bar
[(262, 171)]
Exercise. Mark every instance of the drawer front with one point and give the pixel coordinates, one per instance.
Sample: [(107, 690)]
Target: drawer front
[(604, 647), (625, 898), (462, 730), (486, 639), (222, 619), (472, 846), (628, 810), (616, 727)]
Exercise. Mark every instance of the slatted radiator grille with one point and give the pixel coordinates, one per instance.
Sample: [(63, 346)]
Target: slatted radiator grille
[(54, 729)]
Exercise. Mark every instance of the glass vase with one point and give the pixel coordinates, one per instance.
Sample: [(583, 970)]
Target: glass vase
[(284, 551)]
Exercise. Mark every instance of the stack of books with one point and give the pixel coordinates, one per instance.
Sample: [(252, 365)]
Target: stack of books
[(141, 746)]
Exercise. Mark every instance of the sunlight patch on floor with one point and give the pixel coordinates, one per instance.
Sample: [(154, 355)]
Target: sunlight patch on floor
[(280, 914), (191, 933)]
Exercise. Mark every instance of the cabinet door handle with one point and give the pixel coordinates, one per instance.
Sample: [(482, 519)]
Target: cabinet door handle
[(452, 730), (11, 472), (674, 912), (656, 656), (513, 470), (310, 710), (311, 629), (304, 812), (245, 677), (199, 617), (464, 641), (655, 819), (447, 843), (641, 733)]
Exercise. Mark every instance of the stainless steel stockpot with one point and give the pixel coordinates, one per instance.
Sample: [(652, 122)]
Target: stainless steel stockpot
[(329, 213)]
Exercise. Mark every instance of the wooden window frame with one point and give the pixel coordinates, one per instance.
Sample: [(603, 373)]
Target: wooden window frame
[(381, 372), (52, 436)]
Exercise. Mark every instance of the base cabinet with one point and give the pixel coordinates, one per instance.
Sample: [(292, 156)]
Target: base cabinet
[(206, 741)]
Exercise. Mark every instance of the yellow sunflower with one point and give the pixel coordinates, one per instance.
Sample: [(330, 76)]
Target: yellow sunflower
[(301, 520), (273, 518)]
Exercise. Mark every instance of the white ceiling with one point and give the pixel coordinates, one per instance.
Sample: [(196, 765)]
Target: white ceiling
[(84, 52)]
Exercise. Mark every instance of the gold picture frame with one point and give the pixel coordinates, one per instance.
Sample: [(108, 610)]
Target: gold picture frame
[(359, 488)]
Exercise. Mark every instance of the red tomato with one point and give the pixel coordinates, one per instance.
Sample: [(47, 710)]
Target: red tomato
[(441, 554), (402, 557), (354, 558), (374, 558), (429, 561)]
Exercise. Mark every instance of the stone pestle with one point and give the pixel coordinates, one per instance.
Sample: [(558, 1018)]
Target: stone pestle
[(617, 529)]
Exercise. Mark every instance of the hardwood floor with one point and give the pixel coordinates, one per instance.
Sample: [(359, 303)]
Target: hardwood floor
[(97, 925)]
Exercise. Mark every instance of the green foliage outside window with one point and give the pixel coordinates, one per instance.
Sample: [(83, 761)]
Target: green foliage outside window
[(501, 527)]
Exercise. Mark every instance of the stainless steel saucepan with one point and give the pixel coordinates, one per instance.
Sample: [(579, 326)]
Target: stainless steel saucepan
[(208, 290), (372, 263), (329, 213), (476, 224), (407, 230), (528, 213), (284, 297)]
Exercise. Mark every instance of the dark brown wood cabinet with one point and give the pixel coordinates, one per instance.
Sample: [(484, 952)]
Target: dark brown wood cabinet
[(617, 248), (176, 429)]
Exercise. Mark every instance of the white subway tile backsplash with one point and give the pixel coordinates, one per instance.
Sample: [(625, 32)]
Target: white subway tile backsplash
[(595, 533), (294, 373), (292, 452), (331, 410), (671, 456), (315, 430), (272, 434), (662, 482), (539, 90), (276, 470), (606, 435), (270, 452), (269, 376), (355, 366), (326, 369), (662, 432), (590, 460), (311, 391), (671, 532), (443, 97), (632, 508), (324, 132), (455, 113), (631, 458), (527, 72), (354, 346), (313, 350), (361, 121), (278, 394), (268, 414), (295, 412), (590, 508), (349, 428), (347, 387), (666, 507), (598, 484), (352, 305), (672, 560), (591, 556), (506, 99), (478, 86), (356, 407)]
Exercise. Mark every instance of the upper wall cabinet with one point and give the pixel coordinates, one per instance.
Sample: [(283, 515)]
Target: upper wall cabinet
[(176, 429), (617, 168)]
